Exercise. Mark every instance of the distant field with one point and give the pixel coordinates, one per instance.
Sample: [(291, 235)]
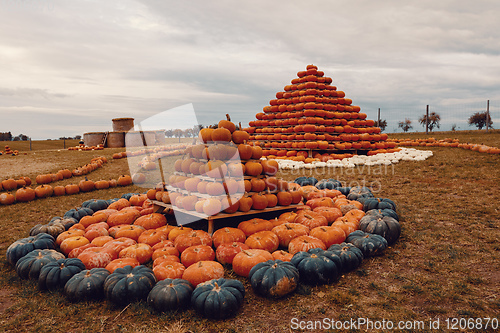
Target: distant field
[(24, 146)]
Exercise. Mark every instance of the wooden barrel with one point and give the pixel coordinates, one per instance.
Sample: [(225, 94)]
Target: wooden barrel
[(134, 139), (150, 137), (93, 139), (123, 124), (160, 138), (116, 140)]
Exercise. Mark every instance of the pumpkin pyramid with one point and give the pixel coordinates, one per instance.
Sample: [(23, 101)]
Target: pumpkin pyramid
[(312, 118)]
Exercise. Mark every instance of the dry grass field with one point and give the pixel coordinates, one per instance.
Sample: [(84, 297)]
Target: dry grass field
[(445, 265)]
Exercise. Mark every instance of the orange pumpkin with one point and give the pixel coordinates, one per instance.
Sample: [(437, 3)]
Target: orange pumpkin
[(169, 270), (329, 235), (226, 252), (151, 221), (196, 237), (196, 253), (121, 262), (228, 235), (119, 244), (96, 257), (203, 271), (254, 225), (264, 240), (245, 260), (141, 251), (288, 231), (71, 243), (282, 255), (152, 237), (305, 243)]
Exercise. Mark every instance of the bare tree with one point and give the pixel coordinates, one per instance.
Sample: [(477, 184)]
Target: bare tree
[(382, 124), (432, 122), (405, 125), (178, 133)]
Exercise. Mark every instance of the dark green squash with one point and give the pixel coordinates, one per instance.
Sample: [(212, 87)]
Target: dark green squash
[(68, 222), (95, 204), (128, 195), (55, 274), (329, 184), (274, 278), (350, 256), (78, 213), (23, 246), (378, 203), (86, 285), (305, 181), (384, 226), (383, 212), (344, 190), (30, 265), (317, 266), (170, 295), (369, 244), (129, 284), (359, 193), (218, 298), (53, 228)]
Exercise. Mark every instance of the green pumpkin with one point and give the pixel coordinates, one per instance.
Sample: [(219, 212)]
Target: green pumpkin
[(378, 203), (383, 212), (384, 226), (68, 222), (350, 256), (55, 274), (95, 204), (129, 284), (329, 184), (86, 285), (78, 213), (170, 295), (359, 193), (53, 228), (317, 266), (30, 265), (218, 298), (23, 246), (369, 244), (274, 278)]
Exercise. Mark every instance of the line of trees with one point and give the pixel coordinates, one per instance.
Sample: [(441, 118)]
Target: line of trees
[(7, 136), (478, 119)]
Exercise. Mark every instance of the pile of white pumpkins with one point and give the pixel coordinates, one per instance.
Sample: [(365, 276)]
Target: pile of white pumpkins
[(405, 154)]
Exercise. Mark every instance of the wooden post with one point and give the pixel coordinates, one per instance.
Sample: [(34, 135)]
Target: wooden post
[(378, 118), (30, 144), (487, 115), (427, 120), (64, 143)]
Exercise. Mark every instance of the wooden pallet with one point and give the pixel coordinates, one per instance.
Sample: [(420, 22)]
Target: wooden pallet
[(159, 207)]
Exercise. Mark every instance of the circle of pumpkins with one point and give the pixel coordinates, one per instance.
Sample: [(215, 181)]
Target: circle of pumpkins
[(104, 249)]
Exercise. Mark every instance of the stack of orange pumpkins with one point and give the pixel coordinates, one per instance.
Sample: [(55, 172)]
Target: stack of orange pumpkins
[(311, 114), (224, 173)]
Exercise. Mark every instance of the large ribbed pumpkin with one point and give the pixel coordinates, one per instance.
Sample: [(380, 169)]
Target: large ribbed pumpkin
[(129, 284), (274, 278)]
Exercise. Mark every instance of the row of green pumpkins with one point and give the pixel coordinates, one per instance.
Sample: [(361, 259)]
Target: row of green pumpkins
[(36, 257)]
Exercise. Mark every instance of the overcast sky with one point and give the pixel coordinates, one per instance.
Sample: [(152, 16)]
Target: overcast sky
[(69, 67)]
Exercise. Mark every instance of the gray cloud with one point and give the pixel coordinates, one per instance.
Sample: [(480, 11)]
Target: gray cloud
[(92, 61)]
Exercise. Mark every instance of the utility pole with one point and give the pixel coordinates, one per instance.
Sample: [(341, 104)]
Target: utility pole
[(427, 120), (487, 115), (378, 118)]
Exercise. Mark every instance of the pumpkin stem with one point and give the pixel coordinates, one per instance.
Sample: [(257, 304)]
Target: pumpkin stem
[(228, 117)]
